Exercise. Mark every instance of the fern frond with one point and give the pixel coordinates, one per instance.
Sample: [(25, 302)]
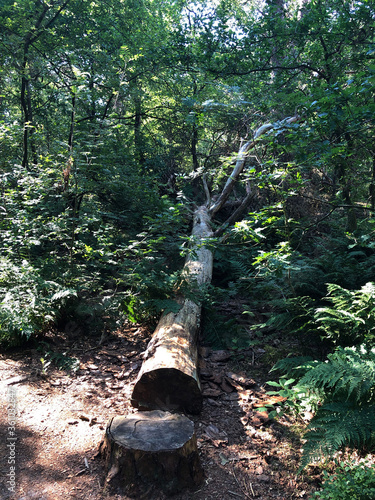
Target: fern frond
[(296, 366), (241, 269), (352, 315), (335, 425), (349, 371)]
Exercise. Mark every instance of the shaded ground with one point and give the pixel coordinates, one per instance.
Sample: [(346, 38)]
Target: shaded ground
[(62, 419)]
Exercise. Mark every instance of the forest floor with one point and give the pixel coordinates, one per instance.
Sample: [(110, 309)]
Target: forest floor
[(62, 419)]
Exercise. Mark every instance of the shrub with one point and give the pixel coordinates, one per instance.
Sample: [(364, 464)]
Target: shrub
[(349, 482), (27, 301), (351, 318)]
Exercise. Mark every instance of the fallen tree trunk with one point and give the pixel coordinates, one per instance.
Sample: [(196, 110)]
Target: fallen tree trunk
[(153, 447), (168, 379), (157, 446)]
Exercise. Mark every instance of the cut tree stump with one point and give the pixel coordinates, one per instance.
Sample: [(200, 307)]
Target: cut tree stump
[(168, 379), (153, 447)]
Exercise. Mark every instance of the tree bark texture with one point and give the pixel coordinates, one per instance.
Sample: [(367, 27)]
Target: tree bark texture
[(169, 379), (153, 447)]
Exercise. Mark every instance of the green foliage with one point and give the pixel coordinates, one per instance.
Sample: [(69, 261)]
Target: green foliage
[(349, 481), (54, 258), (346, 260), (351, 319), (107, 107), (222, 332), (299, 398), (293, 284), (61, 360), (337, 425), (344, 387), (155, 259), (28, 302), (71, 254)]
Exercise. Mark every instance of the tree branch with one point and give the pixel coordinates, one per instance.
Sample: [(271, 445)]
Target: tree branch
[(241, 160), (237, 213), (206, 190)]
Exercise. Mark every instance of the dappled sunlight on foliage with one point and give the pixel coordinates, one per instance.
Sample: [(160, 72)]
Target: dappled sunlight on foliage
[(120, 119)]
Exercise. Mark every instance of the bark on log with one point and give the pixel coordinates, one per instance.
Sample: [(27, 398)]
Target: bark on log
[(169, 379), (153, 447)]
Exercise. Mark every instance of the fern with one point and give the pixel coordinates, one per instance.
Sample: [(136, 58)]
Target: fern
[(294, 315), (345, 383), (242, 271), (296, 366), (352, 317), (61, 360), (336, 425), (27, 301), (348, 370)]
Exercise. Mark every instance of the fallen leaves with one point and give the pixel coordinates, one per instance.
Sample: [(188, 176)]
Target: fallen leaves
[(224, 384), (273, 400), (240, 380), (233, 435), (213, 434), (208, 392), (259, 418), (220, 356)]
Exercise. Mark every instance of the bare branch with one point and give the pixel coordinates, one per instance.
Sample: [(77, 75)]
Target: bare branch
[(238, 212), (206, 190), (241, 160)]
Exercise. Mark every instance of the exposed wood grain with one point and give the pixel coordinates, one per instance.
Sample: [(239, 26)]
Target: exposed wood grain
[(169, 376)]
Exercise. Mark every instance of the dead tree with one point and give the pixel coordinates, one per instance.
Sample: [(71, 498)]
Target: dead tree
[(157, 446), (168, 379)]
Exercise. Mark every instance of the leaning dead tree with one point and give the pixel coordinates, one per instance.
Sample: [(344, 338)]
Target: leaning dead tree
[(157, 445), (168, 379)]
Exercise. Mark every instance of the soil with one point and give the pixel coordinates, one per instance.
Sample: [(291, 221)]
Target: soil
[(62, 417)]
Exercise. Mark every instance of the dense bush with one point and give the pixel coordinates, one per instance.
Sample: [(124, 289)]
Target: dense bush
[(28, 302), (351, 317)]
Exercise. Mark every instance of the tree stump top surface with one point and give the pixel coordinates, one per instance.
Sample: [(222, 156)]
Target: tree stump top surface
[(151, 430)]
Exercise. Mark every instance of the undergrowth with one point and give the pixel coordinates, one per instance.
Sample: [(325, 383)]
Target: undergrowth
[(341, 393), (349, 482)]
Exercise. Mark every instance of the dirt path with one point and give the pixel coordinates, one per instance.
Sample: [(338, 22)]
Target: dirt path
[(61, 421)]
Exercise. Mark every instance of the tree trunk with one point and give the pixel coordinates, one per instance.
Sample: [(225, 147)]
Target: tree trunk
[(152, 447), (169, 377), (372, 184), (157, 446)]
